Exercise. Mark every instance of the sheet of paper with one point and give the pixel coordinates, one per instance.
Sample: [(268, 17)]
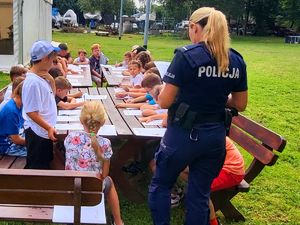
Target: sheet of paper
[(153, 123), (74, 77), (107, 66), (149, 132), (130, 112), (67, 119), (75, 68), (118, 90), (94, 97), (79, 99), (89, 214), (162, 67), (108, 130), (69, 112), (83, 66), (69, 126)]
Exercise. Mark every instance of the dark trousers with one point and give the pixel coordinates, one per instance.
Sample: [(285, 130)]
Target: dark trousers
[(203, 150), (39, 151)]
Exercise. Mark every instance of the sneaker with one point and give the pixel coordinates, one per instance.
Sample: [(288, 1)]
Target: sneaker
[(175, 200), (134, 168)]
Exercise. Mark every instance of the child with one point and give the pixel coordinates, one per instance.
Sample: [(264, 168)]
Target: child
[(96, 59), (146, 99), (63, 101), (64, 53), (136, 76), (12, 141), (81, 59), (143, 58), (39, 108), (86, 151), (127, 59), (15, 71)]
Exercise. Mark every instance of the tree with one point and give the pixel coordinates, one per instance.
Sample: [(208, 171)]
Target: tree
[(290, 10)]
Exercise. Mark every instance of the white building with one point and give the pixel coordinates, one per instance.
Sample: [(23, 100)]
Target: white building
[(22, 22)]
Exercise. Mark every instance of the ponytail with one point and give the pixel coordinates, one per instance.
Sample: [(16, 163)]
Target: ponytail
[(93, 117), (215, 34)]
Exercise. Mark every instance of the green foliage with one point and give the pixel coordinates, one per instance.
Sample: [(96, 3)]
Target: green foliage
[(274, 100), (291, 12), (106, 6)]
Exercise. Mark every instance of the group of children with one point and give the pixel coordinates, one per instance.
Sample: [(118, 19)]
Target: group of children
[(29, 110)]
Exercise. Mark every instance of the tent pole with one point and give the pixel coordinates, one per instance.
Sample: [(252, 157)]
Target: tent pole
[(146, 28), (121, 22)]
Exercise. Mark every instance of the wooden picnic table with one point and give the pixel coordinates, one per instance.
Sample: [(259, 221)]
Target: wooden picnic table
[(83, 78), (114, 75), (124, 126)]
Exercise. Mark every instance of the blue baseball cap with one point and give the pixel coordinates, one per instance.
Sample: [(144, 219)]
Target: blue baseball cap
[(40, 49)]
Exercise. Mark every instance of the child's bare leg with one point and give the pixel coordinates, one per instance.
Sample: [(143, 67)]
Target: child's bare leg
[(212, 214), (113, 202)]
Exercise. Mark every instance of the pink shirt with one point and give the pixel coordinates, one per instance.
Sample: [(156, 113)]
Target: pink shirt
[(234, 162)]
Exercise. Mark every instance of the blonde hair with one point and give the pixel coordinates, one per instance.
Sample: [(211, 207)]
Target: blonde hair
[(93, 117), (215, 34), (95, 46)]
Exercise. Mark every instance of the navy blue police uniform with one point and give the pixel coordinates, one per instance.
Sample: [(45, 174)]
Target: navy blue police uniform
[(202, 146)]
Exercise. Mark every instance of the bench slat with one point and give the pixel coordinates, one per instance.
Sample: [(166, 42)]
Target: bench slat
[(19, 163), (7, 161), (47, 197), (20, 213), (261, 153), (260, 132), (52, 179)]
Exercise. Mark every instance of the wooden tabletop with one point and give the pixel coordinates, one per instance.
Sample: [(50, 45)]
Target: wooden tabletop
[(124, 124), (83, 78), (114, 75)]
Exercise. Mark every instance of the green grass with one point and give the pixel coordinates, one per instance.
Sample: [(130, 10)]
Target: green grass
[(274, 101)]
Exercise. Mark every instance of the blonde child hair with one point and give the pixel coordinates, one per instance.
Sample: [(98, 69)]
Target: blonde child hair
[(215, 34), (93, 117), (95, 46)]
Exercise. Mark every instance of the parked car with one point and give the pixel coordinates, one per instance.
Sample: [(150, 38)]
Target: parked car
[(182, 25)]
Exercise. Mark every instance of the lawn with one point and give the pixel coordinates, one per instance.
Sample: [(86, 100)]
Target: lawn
[(274, 101)]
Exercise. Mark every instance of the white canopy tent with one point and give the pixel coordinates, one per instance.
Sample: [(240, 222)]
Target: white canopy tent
[(29, 21)]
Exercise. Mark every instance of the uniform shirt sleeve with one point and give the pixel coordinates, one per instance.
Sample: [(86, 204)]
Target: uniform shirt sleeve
[(176, 71), (242, 84), (31, 98)]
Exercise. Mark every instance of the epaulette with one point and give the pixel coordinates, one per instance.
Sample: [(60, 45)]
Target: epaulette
[(188, 48), (195, 54)]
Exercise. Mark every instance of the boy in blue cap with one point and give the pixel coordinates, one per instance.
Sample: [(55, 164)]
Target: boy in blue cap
[(39, 107)]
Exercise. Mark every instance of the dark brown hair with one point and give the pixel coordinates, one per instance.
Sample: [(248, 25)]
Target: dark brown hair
[(151, 80), (62, 83), (143, 57)]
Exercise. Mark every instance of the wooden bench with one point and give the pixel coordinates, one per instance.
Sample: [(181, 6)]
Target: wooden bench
[(29, 195), (263, 145)]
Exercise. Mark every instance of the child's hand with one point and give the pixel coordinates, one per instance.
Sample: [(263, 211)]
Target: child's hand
[(52, 134), (130, 101), (78, 94), (121, 94), (143, 119), (121, 105)]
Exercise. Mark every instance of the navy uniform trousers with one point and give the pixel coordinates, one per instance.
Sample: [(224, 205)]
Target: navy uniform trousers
[(203, 150)]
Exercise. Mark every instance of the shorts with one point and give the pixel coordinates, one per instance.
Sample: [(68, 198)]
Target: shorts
[(106, 185), (97, 80), (39, 151), (225, 180)]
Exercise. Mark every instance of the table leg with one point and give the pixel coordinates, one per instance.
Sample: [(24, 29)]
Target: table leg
[(120, 158)]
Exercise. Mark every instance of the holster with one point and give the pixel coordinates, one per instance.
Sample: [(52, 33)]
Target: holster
[(229, 113)]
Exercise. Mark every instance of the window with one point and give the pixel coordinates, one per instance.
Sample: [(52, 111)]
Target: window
[(6, 27)]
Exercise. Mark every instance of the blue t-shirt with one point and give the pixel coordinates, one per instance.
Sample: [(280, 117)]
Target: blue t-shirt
[(11, 121), (150, 99), (201, 85)]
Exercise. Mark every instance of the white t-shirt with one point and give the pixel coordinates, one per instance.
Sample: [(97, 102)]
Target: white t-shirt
[(37, 96), (7, 96), (137, 80)]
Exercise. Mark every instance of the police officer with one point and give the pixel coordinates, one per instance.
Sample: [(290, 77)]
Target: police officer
[(202, 80)]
